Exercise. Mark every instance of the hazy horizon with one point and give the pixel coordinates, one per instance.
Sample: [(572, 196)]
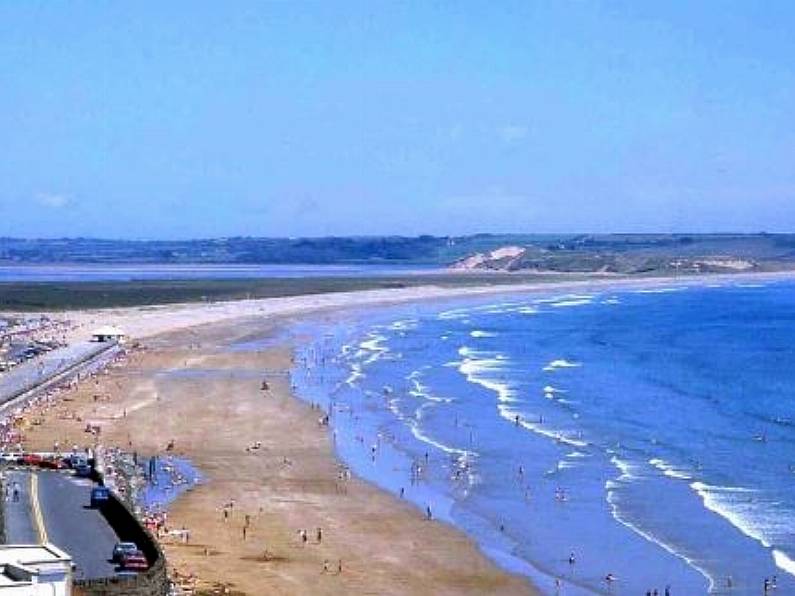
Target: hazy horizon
[(197, 120)]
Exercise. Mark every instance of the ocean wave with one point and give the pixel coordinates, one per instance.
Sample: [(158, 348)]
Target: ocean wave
[(404, 325), (561, 363), (658, 290), (740, 507), (783, 561), (421, 391), (669, 469), (451, 315), (569, 438), (566, 464), (464, 458), (629, 470), (563, 298), (466, 312), (478, 333), (577, 302), (477, 365), (551, 389), (372, 348), (612, 488), (355, 375)]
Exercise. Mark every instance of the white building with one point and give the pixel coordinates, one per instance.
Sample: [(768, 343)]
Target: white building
[(34, 570), (108, 333)]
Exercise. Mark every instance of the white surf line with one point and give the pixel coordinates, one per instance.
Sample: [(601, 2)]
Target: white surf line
[(610, 487)]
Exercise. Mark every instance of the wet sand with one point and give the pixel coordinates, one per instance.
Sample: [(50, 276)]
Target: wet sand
[(187, 386)]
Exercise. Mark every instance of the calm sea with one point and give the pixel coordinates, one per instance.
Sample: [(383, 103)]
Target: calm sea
[(648, 434)]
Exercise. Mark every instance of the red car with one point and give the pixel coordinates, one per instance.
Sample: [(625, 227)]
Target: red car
[(135, 561)]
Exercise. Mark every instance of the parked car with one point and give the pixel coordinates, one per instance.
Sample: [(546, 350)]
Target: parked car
[(123, 548), (82, 471), (134, 562), (99, 496)]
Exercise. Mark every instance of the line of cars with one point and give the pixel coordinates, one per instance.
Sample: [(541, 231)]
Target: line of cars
[(77, 461), (129, 559), (126, 555)]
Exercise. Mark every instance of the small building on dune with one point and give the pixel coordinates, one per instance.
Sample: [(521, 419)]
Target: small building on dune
[(108, 333)]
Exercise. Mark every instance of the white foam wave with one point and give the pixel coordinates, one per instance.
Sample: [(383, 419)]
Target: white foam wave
[(566, 464), (356, 374), (479, 366), (561, 363), (423, 392), (463, 457), (464, 313), (404, 325), (738, 506), (564, 298), (564, 437), (669, 469), (658, 290), (372, 348), (612, 487), (783, 562), (565, 303), (629, 470), (551, 389), (478, 333)]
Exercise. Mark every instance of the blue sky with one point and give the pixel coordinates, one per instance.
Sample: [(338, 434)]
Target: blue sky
[(188, 119)]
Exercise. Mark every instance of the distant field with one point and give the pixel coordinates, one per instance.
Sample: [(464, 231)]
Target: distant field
[(78, 295), (430, 250)]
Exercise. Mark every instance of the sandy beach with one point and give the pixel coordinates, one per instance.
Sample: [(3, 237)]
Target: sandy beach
[(186, 387)]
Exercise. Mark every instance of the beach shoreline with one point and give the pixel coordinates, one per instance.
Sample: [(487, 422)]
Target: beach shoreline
[(265, 452), (145, 321), (162, 394)]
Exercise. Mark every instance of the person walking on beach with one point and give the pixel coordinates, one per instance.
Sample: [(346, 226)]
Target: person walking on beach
[(428, 512), (572, 560), (319, 535)]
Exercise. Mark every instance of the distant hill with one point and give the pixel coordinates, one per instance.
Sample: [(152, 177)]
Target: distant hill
[(640, 254), (567, 252)]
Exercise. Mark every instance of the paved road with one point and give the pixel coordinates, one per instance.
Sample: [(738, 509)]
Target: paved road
[(19, 525), (51, 365), (68, 521)]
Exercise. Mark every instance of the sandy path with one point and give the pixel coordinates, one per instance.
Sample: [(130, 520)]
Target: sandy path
[(186, 387)]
